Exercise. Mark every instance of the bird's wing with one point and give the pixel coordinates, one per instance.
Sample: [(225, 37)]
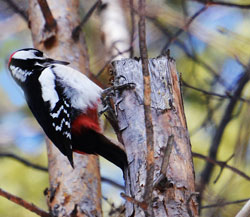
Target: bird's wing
[(78, 88), (56, 118)]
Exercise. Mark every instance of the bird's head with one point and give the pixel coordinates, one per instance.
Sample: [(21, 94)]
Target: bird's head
[(25, 62)]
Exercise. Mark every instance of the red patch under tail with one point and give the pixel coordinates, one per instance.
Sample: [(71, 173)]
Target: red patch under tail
[(87, 120)]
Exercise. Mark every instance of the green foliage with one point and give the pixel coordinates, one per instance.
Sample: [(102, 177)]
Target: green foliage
[(23, 182)]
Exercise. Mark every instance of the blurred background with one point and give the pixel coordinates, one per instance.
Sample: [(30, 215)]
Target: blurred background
[(211, 45)]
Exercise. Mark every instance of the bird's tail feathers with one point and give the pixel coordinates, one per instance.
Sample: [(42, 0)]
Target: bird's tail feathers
[(92, 142)]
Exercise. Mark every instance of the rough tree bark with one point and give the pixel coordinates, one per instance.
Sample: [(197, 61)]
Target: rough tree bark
[(174, 187), (72, 192)]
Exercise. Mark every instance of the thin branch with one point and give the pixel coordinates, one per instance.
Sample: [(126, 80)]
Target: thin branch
[(29, 206), (221, 164), (207, 171), (162, 182), (180, 31), (220, 3), (224, 204), (143, 205), (132, 34), (23, 161), (147, 108), (111, 182), (108, 62), (45, 169), (77, 29), (193, 194), (181, 45), (222, 168), (15, 7), (50, 22), (228, 96), (166, 157)]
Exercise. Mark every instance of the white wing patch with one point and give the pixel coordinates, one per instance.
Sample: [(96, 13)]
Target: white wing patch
[(78, 88), (57, 113), (59, 128), (47, 81)]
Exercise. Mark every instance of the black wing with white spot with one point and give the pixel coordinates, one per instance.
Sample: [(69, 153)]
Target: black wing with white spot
[(61, 125), (52, 110)]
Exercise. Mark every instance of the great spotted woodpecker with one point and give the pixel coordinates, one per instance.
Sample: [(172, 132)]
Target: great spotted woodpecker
[(65, 103)]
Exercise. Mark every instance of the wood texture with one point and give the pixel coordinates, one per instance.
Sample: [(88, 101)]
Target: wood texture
[(72, 192), (176, 197)]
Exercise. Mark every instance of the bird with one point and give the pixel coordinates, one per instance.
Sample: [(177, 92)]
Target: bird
[(65, 103)]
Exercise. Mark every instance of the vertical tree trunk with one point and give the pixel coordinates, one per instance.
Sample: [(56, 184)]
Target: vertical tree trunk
[(72, 192), (115, 30), (174, 187)]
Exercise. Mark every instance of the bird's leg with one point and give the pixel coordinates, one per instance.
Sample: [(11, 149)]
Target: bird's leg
[(111, 91)]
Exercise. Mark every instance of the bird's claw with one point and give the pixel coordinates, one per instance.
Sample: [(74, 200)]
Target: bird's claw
[(109, 92)]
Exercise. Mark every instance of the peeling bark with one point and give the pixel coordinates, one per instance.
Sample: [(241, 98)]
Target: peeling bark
[(171, 138), (72, 192)]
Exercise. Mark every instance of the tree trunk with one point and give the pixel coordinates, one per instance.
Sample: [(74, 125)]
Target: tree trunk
[(174, 186), (72, 192), (115, 30)]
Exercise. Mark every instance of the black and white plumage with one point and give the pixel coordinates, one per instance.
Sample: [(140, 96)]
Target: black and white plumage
[(65, 103)]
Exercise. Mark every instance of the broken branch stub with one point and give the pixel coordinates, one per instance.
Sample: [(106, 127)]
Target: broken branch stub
[(168, 122)]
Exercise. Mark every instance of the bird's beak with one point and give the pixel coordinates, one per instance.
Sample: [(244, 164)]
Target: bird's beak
[(57, 62)]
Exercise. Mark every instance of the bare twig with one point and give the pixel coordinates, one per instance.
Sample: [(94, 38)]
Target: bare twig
[(45, 169), (50, 22), (147, 107), (206, 173), (17, 9), (162, 182), (23, 161), (29, 206), (178, 33), (143, 205), (182, 46), (77, 29), (222, 168), (108, 62), (111, 182), (221, 164), (167, 153), (228, 96), (193, 194), (211, 2), (132, 34), (224, 203)]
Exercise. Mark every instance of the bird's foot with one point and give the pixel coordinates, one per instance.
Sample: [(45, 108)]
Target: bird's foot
[(111, 91)]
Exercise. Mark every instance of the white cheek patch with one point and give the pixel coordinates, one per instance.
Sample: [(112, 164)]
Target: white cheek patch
[(19, 73), (47, 81)]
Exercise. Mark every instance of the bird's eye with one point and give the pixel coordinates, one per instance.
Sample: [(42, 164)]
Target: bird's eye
[(39, 53)]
